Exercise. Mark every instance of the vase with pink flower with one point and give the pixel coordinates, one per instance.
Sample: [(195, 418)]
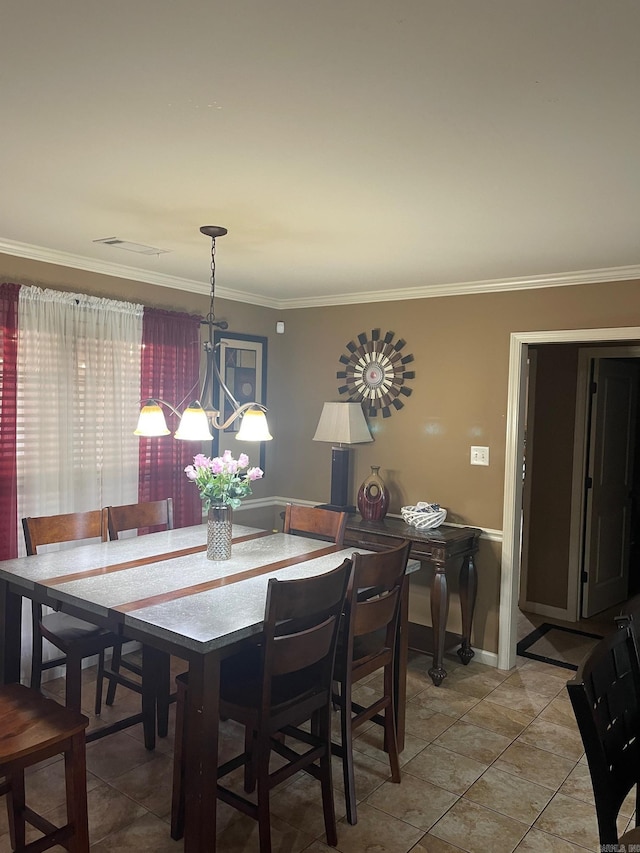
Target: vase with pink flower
[(222, 483)]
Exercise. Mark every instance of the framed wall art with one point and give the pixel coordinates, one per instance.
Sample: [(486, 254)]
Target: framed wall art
[(242, 362)]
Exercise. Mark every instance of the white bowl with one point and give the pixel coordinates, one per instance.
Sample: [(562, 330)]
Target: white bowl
[(424, 516)]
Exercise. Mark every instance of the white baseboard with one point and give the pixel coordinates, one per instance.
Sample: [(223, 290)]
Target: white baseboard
[(547, 610), (485, 657)]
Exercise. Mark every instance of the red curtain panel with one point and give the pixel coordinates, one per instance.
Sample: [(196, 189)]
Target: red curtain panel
[(8, 395), (170, 371)]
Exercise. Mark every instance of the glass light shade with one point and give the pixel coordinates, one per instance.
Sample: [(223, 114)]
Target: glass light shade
[(151, 421), (194, 424), (254, 427)]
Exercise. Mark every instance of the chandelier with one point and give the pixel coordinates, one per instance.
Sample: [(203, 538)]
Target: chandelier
[(201, 415)]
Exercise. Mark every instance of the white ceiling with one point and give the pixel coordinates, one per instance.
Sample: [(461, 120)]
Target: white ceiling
[(355, 149)]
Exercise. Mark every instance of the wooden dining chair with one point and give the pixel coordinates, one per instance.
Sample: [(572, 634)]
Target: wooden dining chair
[(368, 642), (34, 729), (144, 517), (75, 638), (315, 521), (272, 689), (605, 695)]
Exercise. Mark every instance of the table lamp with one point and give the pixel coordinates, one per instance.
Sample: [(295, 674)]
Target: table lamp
[(341, 424)]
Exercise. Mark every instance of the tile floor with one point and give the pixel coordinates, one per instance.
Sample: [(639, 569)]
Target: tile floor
[(493, 762)]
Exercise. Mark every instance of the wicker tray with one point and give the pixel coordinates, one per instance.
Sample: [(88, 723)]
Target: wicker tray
[(423, 515)]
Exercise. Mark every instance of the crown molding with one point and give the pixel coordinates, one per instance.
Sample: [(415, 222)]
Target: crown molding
[(80, 262), (497, 285), (66, 259)]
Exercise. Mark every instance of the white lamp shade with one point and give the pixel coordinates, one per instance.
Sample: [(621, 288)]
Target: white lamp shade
[(342, 423), (194, 424), (151, 421), (254, 427)]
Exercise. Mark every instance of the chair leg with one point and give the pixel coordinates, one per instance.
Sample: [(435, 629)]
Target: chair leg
[(390, 732), (99, 684), (76, 786), (36, 655), (346, 734), (326, 779), (264, 818), (15, 809), (177, 796), (73, 686), (251, 752), (115, 667)]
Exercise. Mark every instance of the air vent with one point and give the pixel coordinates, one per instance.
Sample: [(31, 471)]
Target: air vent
[(131, 247)]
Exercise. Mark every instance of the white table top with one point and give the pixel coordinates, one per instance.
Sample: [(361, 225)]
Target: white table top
[(199, 620)]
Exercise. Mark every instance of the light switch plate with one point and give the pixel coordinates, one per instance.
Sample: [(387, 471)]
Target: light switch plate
[(479, 455)]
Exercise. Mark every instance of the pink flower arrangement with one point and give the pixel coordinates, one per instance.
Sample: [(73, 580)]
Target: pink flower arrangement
[(220, 480)]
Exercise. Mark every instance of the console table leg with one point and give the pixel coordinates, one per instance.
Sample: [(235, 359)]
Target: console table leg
[(468, 588), (439, 614)]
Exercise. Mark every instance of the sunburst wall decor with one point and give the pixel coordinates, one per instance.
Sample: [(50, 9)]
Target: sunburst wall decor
[(375, 371)]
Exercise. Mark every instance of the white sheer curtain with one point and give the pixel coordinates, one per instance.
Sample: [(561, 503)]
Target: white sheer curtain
[(78, 395)]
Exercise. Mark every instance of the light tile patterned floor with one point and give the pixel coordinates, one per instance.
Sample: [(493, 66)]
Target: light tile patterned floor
[(493, 762)]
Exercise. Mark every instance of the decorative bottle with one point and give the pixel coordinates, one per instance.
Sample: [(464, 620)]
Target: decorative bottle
[(373, 496)]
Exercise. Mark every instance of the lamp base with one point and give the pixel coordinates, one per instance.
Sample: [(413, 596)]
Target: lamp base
[(337, 508), (339, 478)]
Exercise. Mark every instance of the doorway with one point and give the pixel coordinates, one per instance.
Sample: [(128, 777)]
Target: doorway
[(514, 454), (578, 500)]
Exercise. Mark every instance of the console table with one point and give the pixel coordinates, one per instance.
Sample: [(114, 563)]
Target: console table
[(443, 548)]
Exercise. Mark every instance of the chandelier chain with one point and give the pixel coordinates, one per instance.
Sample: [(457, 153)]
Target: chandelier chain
[(211, 315)]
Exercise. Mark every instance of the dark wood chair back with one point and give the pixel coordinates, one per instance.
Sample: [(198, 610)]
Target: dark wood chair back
[(373, 605), (369, 642), (70, 527), (143, 517), (605, 695), (302, 618), (315, 522)]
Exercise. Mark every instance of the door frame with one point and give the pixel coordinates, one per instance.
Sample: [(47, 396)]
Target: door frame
[(514, 450), (528, 452)]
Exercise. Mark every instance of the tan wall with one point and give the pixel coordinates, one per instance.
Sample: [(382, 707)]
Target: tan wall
[(461, 349)]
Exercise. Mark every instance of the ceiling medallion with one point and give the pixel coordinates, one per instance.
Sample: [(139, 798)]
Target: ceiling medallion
[(374, 371)]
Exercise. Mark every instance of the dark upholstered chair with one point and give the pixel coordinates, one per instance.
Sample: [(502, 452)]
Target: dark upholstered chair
[(34, 729), (605, 695), (316, 522), (368, 643), (274, 688)]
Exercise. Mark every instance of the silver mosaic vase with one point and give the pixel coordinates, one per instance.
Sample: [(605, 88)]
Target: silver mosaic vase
[(219, 532)]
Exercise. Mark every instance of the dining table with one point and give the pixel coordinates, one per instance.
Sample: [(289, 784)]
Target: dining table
[(162, 591)]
